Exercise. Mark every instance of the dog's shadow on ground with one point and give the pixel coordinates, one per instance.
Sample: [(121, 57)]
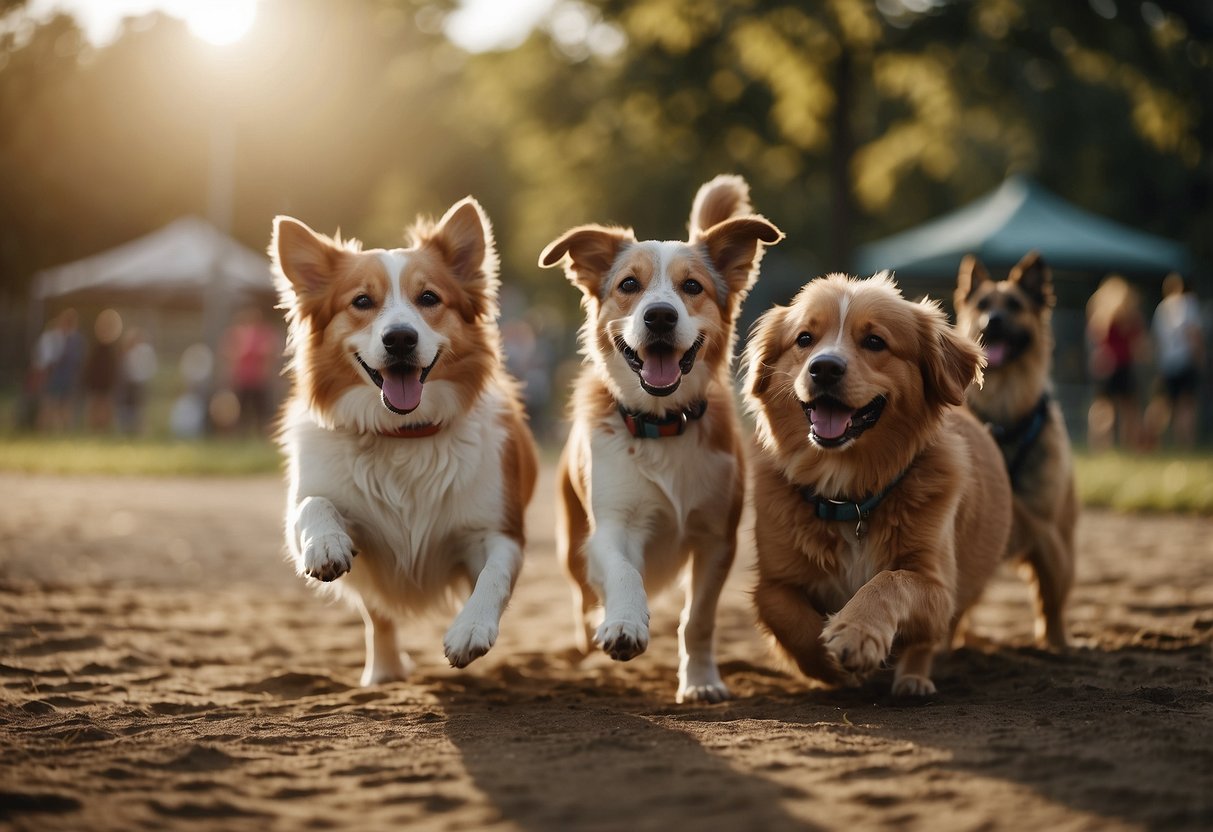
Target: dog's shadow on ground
[(558, 755), (605, 752), (1096, 715)]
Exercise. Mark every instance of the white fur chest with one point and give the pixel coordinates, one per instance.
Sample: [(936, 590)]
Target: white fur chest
[(410, 504), (673, 490)]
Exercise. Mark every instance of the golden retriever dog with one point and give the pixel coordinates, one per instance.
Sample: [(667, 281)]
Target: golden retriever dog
[(882, 505), (1011, 319), (410, 463), (651, 476)]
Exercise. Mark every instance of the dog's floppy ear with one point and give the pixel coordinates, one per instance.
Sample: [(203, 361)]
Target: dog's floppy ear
[(762, 349), (306, 259), (733, 247), (949, 361), (1035, 278), (588, 252), (969, 278), (723, 198)]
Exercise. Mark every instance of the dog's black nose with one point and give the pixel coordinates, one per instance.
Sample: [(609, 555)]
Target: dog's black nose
[(827, 369), (400, 341), (661, 318), (995, 324)]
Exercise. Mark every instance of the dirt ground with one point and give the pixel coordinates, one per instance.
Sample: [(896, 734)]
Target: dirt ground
[(162, 668)]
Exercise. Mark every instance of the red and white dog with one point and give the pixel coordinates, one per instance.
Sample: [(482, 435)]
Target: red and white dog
[(410, 461), (652, 472)]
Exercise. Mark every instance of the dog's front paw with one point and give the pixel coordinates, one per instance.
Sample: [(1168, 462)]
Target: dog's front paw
[(913, 685), (327, 557), (623, 640), (468, 640), (857, 648)]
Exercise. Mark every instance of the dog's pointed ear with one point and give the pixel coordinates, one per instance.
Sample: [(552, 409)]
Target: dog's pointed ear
[(735, 248), (305, 258), (587, 252), (723, 198), (761, 351), (969, 277), (464, 239), (1035, 278), (949, 362)]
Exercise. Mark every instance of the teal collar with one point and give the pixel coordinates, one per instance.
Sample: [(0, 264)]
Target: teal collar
[(647, 426), (848, 510)]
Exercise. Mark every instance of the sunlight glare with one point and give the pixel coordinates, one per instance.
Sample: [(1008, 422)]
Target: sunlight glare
[(220, 21)]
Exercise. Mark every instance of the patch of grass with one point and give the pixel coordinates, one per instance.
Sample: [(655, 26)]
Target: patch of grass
[(155, 457), (1156, 483), (1124, 482)]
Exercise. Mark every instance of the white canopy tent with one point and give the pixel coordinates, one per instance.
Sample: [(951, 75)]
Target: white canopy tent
[(187, 262)]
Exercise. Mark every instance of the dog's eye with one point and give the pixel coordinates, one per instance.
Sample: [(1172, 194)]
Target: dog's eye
[(983, 304), (874, 343), (363, 301), (1013, 304), (428, 298), (804, 339), (691, 287), (629, 285)]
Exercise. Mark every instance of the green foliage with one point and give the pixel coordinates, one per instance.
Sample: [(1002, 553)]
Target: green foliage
[(852, 119)]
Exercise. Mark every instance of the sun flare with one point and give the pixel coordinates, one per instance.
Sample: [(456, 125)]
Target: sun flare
[(220, 21)]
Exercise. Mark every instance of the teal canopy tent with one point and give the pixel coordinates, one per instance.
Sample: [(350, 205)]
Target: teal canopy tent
[(1017, 217)]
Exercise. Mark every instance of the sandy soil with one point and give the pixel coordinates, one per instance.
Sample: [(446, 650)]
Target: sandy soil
[(162, 668)]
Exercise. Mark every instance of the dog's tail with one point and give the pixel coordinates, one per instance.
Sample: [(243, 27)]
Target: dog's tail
[(725, 197)]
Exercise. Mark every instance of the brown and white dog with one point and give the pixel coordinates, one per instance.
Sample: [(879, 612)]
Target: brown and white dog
[(1011, 318), (405, 439), (882, 507), (651, 476)]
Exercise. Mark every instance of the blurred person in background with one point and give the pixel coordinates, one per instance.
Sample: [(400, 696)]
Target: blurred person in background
[(187, 418), (138, 368), (102, 369), (1179, 346), (1116, 339), (57, 359), (252, 354)]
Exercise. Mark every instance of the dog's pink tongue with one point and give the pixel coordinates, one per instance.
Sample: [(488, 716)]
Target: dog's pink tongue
[(830, 420), (996, 354), (402, 389), (660, 369)]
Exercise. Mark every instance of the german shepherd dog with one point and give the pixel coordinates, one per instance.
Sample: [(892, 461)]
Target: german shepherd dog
[(1011, 318)]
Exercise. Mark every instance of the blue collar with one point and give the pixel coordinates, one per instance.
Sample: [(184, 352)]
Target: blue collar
[(1017, 441), (848, 510)]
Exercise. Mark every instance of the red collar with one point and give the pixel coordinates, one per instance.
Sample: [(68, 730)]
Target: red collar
[(413, 431)]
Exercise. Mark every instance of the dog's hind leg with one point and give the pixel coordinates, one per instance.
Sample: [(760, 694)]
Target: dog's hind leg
[(913, 674), (572, 528), (698, 676), (1052, 573), (384, 661)]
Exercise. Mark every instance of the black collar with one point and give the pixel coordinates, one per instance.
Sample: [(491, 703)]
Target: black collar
[(1016, 441), (648, 426), (847, 509)]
